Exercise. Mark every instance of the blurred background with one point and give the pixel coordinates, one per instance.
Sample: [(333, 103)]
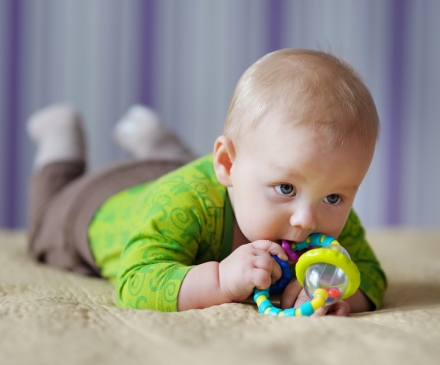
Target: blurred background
[(183, 58)]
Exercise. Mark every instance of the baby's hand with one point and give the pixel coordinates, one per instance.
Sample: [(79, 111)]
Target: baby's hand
[(294, 295), (250, 266)]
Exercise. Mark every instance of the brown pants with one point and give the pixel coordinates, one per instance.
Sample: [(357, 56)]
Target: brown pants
[(63, 201)]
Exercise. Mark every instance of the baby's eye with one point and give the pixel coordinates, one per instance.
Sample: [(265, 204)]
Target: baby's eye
[(285, 189), (332, 199)]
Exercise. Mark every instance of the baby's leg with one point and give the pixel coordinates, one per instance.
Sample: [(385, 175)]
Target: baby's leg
[(60, 159), (58, 134), (63, 203), (141, 133), (63, 200)]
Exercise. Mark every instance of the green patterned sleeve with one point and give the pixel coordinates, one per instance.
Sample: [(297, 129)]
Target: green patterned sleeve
[(373, 279), (157, 258)]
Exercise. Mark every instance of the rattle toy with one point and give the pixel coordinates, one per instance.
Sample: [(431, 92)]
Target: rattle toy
[(323, 268)]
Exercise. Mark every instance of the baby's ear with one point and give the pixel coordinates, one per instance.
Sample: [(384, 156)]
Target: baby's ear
[(223, 157)]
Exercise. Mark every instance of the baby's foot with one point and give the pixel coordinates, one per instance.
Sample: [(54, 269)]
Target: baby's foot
[(141, 133), (58, 133)]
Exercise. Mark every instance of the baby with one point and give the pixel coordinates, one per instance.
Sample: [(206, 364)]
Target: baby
[(298, 140)]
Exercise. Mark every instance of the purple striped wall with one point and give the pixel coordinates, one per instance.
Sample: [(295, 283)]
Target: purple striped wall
[(275, 25), (14, 152), (12, 148), (146, 54), (395, 122)]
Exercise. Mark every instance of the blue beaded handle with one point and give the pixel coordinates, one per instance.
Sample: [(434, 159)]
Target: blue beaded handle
[(286, 276)]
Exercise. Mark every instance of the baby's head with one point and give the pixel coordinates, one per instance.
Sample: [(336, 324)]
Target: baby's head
[(306, 87), (298, 140)]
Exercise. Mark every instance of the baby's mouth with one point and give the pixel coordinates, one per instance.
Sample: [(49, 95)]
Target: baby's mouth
[(292, 252), (285, 242)]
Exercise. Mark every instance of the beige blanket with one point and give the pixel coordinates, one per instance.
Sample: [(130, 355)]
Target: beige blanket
[(53, 317)]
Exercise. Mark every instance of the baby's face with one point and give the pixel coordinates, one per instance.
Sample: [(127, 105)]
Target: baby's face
[(287, 182)]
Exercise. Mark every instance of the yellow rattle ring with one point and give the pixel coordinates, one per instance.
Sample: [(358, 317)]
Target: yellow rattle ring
[(332, 257)]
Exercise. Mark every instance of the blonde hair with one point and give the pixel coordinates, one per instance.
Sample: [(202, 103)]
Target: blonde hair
[(305, 86)]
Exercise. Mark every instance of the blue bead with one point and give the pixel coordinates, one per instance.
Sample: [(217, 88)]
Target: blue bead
[(301, 246), (289, 312), (306, 309), (258, 293), (315, 239), (264, 305), (274, 311), (327, 240)]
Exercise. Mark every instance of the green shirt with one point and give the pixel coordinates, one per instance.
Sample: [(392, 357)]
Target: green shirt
[(145, 239)]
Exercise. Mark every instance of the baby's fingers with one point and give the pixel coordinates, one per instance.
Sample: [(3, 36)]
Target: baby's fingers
[(260, 278), (340, 309), (265, 271), (290, 294), (268, 264), (320, 312), (270, 247)]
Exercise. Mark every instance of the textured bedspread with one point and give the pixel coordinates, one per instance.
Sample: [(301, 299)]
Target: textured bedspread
[(53, 317)]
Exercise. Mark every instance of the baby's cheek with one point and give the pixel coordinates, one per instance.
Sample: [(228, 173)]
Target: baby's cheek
[(335, 229), (261, 231), (330, 225)]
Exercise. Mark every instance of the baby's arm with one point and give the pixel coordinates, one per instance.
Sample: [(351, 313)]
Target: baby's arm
[(359, 302), (373, 280), (233, 279)]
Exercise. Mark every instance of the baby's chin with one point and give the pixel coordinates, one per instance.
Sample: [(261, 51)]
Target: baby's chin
[(275, 240), (252, 237)]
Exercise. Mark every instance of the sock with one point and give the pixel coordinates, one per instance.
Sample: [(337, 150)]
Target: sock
[(58, 133), (141, 133)]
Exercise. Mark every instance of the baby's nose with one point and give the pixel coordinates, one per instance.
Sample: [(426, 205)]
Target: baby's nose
[(304, 221)]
